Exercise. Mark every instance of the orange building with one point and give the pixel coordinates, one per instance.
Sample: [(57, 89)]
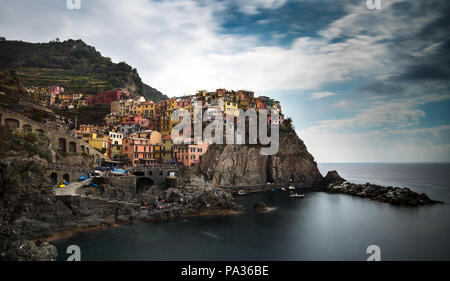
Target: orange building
[(189, 154), (137, 150)]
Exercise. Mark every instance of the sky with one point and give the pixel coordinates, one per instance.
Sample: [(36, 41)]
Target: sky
[(361, 85)]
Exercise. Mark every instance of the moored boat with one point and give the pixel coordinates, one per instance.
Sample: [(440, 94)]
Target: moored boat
[(296, 195), (242, 192)]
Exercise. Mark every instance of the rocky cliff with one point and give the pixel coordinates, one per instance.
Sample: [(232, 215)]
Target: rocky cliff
[(243, 165)]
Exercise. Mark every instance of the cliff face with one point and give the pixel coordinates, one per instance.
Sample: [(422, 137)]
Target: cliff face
[(243, 164)]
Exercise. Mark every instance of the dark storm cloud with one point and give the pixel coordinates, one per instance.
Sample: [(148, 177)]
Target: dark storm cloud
[(422, 56), (382, 88)]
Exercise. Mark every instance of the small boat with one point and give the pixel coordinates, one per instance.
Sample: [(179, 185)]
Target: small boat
[(291, 188), (62, 185), (296, 195), (83, 178), (242, 192), (118, 172), (284, 189)]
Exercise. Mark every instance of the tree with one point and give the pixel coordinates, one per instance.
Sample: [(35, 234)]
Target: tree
[(2, 39), (287, 125)]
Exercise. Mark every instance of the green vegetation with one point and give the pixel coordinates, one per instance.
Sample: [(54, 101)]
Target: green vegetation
[(29, 142), (73, 64), (287, 126), (93, 114)]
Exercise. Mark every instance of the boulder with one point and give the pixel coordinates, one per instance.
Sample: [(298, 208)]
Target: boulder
[(333, 177), (261, 207)]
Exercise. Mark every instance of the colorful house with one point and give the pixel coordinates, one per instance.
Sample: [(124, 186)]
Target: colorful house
[(189, 154), (138, 151)]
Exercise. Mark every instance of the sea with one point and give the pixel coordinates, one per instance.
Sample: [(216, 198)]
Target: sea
[(320, 226)]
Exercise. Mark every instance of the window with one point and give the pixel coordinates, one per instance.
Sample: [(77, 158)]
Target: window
[(193, 157)]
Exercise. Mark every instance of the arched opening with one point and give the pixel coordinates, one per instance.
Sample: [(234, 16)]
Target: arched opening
[(143, 184), (12, 124), (62, 145), (139, 173), (54, 178), (72, 147), (27, 128), (87, 150), (82, 148), (66, 177)]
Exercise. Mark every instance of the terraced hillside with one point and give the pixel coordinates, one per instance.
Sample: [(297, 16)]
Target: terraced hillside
[(73, 64)]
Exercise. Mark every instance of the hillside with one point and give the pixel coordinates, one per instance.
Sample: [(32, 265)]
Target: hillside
[(73, 64)]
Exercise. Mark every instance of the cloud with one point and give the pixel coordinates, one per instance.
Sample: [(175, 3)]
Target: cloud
[(396, 58), (321, 95), (399, 113), (177, 54), (383, 132), (252, 7), (376, 146), (341, 104)]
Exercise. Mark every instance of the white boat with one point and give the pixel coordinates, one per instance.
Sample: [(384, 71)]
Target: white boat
[(296, 195), (284, 189), (291, 188), (242, 192)]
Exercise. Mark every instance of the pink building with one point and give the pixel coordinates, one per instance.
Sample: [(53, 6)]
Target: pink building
[(189, 154), (137, 150), (138, 120)]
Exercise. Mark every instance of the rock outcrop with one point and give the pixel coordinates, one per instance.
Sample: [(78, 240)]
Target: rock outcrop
[(238, 165), (393, 195), (261, 207), (333, 177)]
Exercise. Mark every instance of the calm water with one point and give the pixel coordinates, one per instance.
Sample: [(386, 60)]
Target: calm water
[(319, 227)]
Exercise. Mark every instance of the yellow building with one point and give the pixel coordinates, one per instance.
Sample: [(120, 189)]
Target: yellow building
[(168, 150), (147, 110), (166, 108), (230, 105), (99, 142), (156, 152)]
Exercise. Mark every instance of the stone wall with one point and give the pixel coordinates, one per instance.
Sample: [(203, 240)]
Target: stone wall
[(60, 138)]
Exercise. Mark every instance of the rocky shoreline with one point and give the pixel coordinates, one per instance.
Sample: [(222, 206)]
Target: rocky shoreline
[(394, 195), (30, 214)]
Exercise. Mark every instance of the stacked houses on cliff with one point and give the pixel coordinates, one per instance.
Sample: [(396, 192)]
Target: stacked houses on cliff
[(138, 131)]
